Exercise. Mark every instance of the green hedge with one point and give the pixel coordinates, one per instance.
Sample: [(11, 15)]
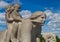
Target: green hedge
[(58, 39)]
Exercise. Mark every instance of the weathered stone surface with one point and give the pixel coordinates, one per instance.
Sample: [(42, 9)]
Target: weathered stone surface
[(49, 37), (3, 35), (38, 20), (20, 29)]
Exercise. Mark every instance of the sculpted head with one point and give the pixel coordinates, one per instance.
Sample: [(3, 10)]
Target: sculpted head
[(16, 7), (39, 17), (8, 8)]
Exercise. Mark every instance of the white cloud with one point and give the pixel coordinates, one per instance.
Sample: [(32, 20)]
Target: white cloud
[(2, 15), (56, 17), (53, 21), (3, 4), (2, 23), (49, 13), (26, 13), (2, 19)]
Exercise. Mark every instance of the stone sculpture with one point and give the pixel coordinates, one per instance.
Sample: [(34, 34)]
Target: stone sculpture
[(49, 37), (9, 22), (17, 23), (31, 30), (3, 35), (38, 20), (20, 29)]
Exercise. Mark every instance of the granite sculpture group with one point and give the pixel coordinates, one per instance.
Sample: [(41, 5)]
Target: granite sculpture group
[(20, 29)]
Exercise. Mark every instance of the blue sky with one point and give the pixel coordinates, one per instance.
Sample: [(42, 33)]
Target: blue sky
[(50, 7), (35, 5)]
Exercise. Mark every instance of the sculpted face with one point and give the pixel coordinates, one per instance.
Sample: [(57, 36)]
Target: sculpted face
[(9, 6), (41, 19), (38, 17)]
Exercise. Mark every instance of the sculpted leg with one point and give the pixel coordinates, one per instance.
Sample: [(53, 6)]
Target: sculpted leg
[(8, 35), (19, 32), (14, 32), (26, 31)]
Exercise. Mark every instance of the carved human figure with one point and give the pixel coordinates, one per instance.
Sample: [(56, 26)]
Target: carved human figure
[(16, 24), (38, 19), (13, 22), (9, 21), (31, 27), (5, 35)]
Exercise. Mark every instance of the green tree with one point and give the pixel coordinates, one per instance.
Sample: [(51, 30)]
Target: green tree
[(57, 39)]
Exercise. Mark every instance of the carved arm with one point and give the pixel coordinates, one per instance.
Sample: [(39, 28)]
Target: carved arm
[(17, 16), (8, 18)]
